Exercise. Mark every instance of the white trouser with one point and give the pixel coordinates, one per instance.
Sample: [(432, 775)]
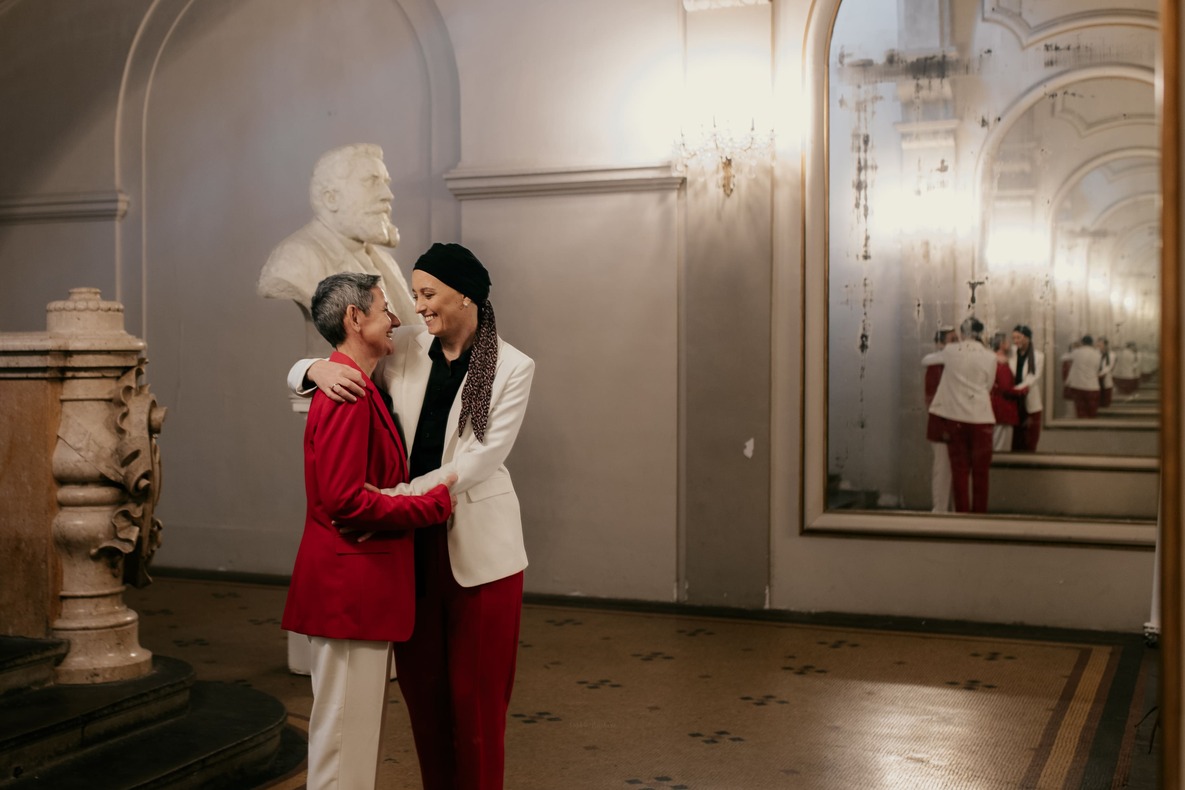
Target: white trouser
[(349, 705), (940, 478), (1002, 438)]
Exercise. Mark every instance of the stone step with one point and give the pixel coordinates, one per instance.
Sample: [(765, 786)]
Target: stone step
[(230, 737), (27, 664), (1074, 486), (41, 727)]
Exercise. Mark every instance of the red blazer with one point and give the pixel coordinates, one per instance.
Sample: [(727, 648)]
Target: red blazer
[(344, 588), (1005, 397)]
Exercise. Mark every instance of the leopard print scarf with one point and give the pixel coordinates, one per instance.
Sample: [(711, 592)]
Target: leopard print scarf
[(479, 382)]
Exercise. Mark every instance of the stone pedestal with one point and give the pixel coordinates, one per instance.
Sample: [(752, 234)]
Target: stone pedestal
[(81, 472)]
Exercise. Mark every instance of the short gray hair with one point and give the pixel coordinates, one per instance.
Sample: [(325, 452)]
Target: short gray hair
[(971, 328), (334, 295), (335, 166)]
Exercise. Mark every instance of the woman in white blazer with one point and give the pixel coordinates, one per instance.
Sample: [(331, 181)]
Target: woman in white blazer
[(1106, 372), (459, 394), (1027, 364)]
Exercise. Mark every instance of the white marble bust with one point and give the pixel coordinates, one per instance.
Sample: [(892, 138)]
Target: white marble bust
[(351, 196)]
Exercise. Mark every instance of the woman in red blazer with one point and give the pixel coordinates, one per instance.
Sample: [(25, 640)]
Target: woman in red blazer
[(461, 393), (353, 588)]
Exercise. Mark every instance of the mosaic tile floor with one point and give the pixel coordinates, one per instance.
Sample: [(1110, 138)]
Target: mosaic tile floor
[(627, 699)]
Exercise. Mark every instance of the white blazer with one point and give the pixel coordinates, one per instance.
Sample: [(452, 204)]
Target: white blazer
[(485, 534), (1086, 363), (1032, 379), (964, 392)]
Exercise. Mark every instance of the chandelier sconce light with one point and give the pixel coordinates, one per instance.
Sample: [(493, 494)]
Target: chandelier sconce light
[(729, 155), (726, 131)]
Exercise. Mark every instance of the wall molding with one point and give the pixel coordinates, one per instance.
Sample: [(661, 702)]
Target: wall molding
[(711, 5), (1029, 34), (469, 184), (63, 207)]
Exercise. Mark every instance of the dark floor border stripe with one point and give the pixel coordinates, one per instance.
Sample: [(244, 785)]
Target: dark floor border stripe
[(1109, 741), (1080, 768), (873, 622), (1057, 718), (1136, 713)]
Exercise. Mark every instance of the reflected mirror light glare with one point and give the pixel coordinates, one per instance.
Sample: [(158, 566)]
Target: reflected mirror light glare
[(1010, 250), (939, 211)]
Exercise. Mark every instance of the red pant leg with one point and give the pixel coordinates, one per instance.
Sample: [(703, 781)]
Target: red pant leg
[(422, 667), (1019, 430), (959, 448), (981, 464), (483, 634), (457, 670), (1033, 435)]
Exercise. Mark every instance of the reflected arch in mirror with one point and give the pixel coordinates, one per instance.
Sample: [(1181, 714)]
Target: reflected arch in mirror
[(973, 158), (1070, 187), (1107, 272)]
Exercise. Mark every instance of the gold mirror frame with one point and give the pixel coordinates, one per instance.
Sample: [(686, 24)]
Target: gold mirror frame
[(1170, 547), (815, 233)]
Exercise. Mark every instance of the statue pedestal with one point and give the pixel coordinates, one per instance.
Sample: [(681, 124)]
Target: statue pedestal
[(80, 485)]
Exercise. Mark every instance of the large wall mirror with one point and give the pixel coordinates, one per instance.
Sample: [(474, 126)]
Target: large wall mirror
[(996, 160)]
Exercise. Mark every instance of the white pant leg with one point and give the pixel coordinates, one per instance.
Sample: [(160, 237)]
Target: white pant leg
[(1002, 438), (940, 478), (349, 705)]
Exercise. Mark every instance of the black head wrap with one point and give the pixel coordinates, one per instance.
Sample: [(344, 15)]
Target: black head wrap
[(458, 268)]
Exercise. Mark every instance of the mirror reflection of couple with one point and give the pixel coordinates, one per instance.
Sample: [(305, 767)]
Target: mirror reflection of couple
[(1088, 380), (980, 399), (414, 552)]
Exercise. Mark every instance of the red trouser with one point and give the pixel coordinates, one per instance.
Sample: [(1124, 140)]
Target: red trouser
[(1026, 435), (1086, 402), (457, 670), (1126, 386), (970, 449)]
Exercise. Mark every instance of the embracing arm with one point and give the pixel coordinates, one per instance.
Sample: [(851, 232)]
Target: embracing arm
[(339, 442), (340, 383), (1033, 376), (478, 461)]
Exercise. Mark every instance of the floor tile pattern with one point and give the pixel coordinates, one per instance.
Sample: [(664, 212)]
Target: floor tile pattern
[(621, 699)]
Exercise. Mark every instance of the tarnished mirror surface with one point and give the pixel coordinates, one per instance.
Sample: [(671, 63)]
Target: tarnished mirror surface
[(996, 159)]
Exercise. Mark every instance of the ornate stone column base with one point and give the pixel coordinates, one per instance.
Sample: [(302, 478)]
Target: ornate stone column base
[(105, 473)]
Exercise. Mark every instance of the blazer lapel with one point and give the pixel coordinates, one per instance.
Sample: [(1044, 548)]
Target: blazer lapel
[(450, 428), (417, 367), (376, 403)]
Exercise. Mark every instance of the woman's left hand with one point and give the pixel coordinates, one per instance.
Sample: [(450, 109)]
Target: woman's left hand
[(341, 383)]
